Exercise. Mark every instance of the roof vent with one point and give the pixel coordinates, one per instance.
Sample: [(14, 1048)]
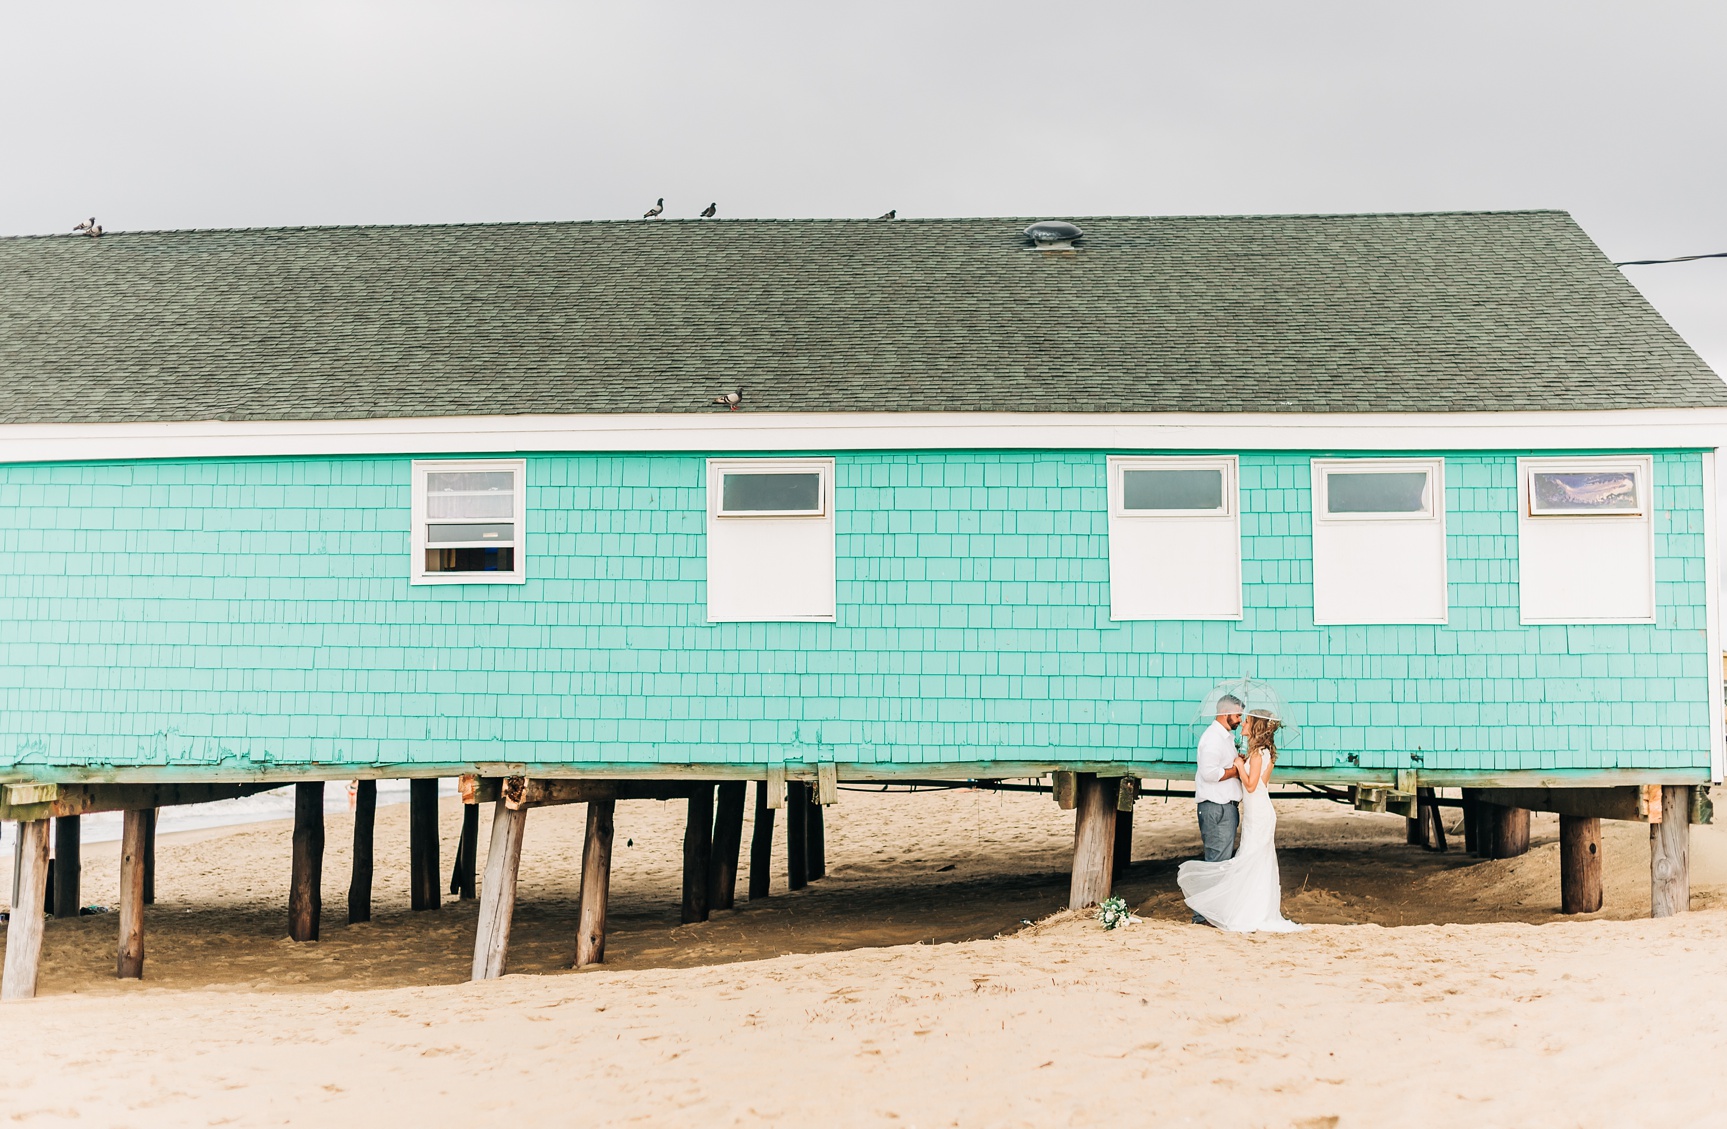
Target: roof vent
[(1053, 235)]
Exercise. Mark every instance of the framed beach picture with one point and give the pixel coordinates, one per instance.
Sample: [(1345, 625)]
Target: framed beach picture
[(1597, 491)]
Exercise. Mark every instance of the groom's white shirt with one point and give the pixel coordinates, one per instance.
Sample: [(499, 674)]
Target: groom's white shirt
[(1216, 754)]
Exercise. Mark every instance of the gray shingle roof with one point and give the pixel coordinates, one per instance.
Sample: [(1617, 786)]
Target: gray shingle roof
[(1436, 312)]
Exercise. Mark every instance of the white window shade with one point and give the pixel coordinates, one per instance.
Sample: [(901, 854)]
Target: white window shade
[(1379, 541), (469, 520), (1586, 540), (1174, 538), (770, 540)]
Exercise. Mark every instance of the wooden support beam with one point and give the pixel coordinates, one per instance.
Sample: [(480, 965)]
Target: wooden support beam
[(25, 927), (1122, 855), (306, 884), (818, 839), (151, 815), (68, 866), (365, 824), (776, 786), (1093, 840), (827, 783), (762, 843), (728, 843), (1508, 831), (698, 851), (423, 844), (467, 854), (17, 869), (498, 892), (541, 793), (797, 835), (1639, 803), (129, 962), (1670, 855), (596, 884), (1579, 864), (1062, 788), (51, 801)]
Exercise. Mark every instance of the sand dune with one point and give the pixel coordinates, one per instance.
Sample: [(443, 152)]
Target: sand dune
[(1432, 988)]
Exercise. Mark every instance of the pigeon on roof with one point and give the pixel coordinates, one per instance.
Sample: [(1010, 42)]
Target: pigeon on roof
[(90, 227), (887, 215), (709, 211), (659, 206), (731, 400)]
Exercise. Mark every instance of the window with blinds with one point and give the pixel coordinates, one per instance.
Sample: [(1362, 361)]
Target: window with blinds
[(468, 521)]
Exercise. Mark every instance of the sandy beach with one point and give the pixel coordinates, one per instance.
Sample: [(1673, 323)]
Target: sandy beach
[(905, 989)]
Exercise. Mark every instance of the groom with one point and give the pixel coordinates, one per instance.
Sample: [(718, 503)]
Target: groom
[(1216, 785)]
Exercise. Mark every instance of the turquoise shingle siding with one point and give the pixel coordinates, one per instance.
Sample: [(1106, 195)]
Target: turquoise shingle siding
[(226, 612)]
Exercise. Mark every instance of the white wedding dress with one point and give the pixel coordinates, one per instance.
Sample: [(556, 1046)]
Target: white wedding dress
[(1243, 894)]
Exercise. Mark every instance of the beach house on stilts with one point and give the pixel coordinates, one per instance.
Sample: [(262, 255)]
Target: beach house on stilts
[(587, 512)]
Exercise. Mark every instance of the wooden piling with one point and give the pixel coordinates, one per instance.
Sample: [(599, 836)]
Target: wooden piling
[(1121, 857), (305, 886), (818, 838), (1430, 820), (1579, 864), (129, 962), (1670, 854), (68, 866), (1508, 831), (423, 844), (365, 823), (467, 852), (596, 884), (1471, 822), (17, 869), (1093, 840), (498, 892), (762, 844), (698, 850), (150, 817), (797, 835), (24, 929), (728, 842)]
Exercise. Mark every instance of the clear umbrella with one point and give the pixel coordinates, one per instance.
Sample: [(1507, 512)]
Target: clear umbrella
[(1258, 699)]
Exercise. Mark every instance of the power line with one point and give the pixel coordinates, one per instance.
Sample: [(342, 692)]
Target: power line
[(1680, 259)]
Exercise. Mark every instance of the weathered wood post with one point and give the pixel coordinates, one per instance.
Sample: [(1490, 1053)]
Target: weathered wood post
[(24, 930), (1431, 820), (17, 868), (1508, 831), (1471, 822), (1126, 796), (698, 849), (498, 891), (596, 884), (150, 816), (68, 866), (306, 884), (1579, 864), (1670, 854), (797, 835), (129, 963), (816, 830), (365, 824), (1093, 840), (423, 844), (467, 850), (728, 842), (762, 845)]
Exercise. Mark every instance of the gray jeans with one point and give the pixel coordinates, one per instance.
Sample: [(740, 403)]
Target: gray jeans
[(1217, 826)]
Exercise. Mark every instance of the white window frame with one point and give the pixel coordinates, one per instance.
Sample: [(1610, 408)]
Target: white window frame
[(752, 600), (419, 543), (1416, 526), (1640, 524), (1132, 562)]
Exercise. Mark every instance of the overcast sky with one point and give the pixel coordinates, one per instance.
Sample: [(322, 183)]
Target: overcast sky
[(171, 115)]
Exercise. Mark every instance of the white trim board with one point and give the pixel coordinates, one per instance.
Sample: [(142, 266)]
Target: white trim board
[(1712, 614), (1652, 429)]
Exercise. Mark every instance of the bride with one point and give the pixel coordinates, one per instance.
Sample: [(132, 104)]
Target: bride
[(1244, 894)]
